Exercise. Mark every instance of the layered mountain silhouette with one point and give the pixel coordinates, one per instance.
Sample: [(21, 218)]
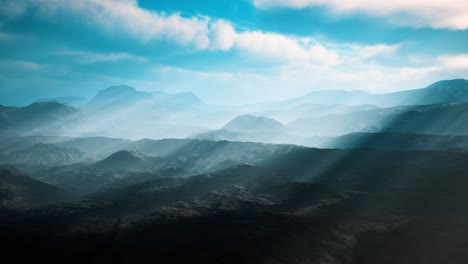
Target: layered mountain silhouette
[(124, 95), (117, 96), (313, 203), (308, 110), (163, 115), (122, 160), (41, 117), (442, 119), (46, 154), (331, 177), (250, 128), (447, 91)]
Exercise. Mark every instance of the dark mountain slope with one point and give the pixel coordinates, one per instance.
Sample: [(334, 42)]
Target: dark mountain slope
[(369, 207), (396, 141), (18, 191), (180, 158), (121, 160)]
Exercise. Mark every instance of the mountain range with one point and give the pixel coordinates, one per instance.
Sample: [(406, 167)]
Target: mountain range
[(446, 91), (336, 177), (313, 203), (162, 115)]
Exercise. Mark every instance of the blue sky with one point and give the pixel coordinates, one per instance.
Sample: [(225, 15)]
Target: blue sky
[(225, 51)]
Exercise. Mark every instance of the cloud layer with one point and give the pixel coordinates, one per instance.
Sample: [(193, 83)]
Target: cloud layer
[(268, 65), (451, 14), (199, 32)]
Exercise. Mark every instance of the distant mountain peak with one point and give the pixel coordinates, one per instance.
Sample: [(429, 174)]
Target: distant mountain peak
[(125, 154), (48, 106), (117, 94), (121, 159), (122, 95), (119, 89), (45, 104), (249, 117), (251, 123)]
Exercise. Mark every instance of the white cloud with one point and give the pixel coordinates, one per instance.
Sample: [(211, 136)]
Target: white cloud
[(369, 51), (223, 35), (270, 45), (118, 16), (87, 57), (452, 14), (456, 62), (299, 64), (297, 78), (286, 48), (177, 72), (198, 31), (127, 16)]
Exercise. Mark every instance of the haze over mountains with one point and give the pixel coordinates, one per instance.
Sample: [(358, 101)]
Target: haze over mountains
[(162, 115), (330, 177)]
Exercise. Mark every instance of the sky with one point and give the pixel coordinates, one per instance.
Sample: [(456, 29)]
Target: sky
[(226, 51)]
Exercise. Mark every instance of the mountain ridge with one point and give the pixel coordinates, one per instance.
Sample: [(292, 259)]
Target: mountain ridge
[(443, 88), (252, 123)]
